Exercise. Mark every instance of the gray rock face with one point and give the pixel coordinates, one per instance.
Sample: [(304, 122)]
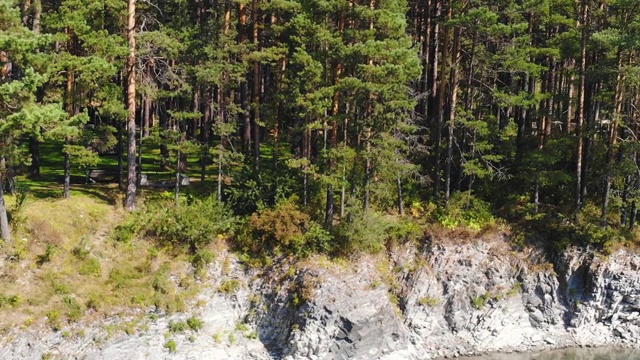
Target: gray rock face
[(446, 301)]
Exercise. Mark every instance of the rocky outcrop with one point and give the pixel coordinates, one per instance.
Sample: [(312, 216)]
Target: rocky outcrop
[(443, 300)]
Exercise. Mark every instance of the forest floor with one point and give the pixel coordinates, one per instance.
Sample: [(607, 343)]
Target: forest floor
[(63, 264)]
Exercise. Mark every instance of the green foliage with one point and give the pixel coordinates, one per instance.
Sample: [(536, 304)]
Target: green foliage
[(480, 301), (370, 231), (284, 229), (178, 326), (171, 346), (91, 267), (515, 289), (195, 323), (464, 209), (10, 300), (74, 310), (125, 232), (53, 317), (201, 258), (258, 190), (229, 286), (49, 251), (429, 301), (195, 223)]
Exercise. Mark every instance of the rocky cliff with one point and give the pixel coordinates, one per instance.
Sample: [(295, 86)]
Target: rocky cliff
[(441, 300)]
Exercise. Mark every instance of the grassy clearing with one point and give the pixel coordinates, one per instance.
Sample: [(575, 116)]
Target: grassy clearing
[(64, 267)]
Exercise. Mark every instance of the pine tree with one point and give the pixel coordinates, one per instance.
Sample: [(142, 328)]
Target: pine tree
[(20, 114)]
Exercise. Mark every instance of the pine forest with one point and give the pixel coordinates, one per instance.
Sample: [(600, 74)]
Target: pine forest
[(331, 126)]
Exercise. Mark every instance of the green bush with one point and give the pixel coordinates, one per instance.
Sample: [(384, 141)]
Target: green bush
[(229, 286), (10, 300), (465, 210), (284, 229), (171, 346), (363, 231), (194, 224), (177, 326), (74, 309), (125, 232), (480, 301), (91, 267), (194, 323), (255, 190)]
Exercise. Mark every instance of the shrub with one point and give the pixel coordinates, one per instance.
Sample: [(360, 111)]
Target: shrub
[(465, 210), (515, 289), (11, 300), (284, 229), (480, 301), (53, 317), (194, 323), (80, 252), (254, 190), (177, 326), (91, 267), (229, 286), (49, 251), (429, 301), (124, 232), (363, 230), (195, 224), (171, 346), (201, 258), (74, 309)]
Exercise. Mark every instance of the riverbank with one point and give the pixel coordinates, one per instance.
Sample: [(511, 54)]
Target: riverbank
[(603, 353)]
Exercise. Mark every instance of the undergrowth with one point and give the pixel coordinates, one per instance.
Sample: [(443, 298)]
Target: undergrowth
[(75, 269)]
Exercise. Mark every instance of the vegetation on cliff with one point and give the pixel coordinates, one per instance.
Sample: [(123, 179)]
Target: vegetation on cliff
[(296, 127)]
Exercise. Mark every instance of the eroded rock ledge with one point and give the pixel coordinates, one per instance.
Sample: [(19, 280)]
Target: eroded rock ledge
[(442, 300)]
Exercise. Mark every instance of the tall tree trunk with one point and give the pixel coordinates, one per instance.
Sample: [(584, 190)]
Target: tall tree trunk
[(130, 201), (26, 10), (256, 85), (580, 107), (147, 116), (163, 117), (37, 14), (34, 150), (440, 109), (34, 143), (613, 137), (335, 111), (400, 201), (5, 230), (571, 90), (453, 99), (244, 86), (177, 188), (425, 53), (67, 141), (204, 135)]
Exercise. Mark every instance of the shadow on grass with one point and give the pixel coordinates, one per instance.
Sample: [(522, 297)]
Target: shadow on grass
[(99, 192)]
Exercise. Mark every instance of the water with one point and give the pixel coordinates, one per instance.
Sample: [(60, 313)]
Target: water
[(568, 354)]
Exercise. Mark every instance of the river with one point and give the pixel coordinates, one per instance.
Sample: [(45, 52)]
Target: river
[(567, 354)]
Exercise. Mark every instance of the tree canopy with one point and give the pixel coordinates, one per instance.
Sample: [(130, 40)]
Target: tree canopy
[(345, 107)]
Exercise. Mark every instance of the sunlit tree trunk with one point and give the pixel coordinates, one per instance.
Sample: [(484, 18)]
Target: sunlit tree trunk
[(580, 107), (5, 230), (130, 201), (453, 99)]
